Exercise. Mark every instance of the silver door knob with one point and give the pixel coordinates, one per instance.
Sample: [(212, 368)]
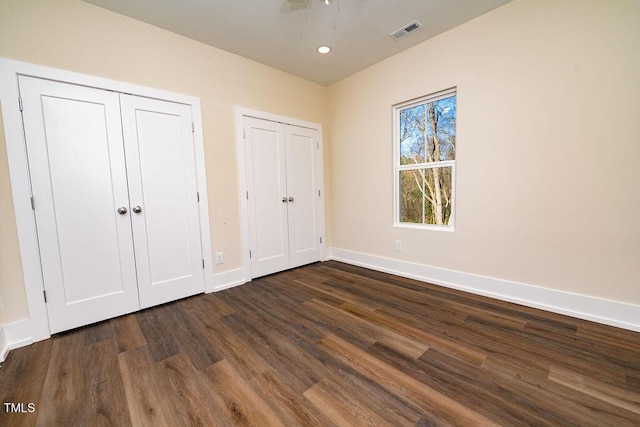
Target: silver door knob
[(136, 209), (122, 210), (284, 200), (291, 199)]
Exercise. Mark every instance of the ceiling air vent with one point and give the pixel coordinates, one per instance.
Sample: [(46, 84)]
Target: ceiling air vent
[(406, 30)]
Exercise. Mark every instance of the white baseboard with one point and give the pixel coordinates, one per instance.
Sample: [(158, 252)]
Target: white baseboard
[(227, 279), (608, 312), (14, 335)]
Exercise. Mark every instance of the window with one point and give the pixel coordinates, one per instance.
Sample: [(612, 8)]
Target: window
[(425, 167)]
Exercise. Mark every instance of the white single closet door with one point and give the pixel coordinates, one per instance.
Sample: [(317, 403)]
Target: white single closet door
[(304, 198), (267, 188), (162, 183), (77, 167)]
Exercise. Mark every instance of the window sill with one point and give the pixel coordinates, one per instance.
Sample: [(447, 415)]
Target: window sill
[(425, 227)]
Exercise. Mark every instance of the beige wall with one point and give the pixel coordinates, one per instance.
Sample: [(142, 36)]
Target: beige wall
[(76, 36), (13, 303), (548, 147)]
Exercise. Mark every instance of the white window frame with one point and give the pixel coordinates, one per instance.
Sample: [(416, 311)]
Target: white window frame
[(397, 168)]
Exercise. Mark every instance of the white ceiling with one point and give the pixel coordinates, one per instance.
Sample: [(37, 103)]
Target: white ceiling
[(357, 30)]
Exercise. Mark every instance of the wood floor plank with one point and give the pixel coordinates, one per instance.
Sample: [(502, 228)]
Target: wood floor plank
[(285, 402), (478, 390), (602, 391), (255, 302), (411, 390), (21, 381), (618, 356), (456, 332), (339, 372), (363, 329), (191, 336), (98, 332), (217, 305), (386, 405), (279, 352), (442, 295), (279, 287), (564, 402), (340, 296), (611, 340), (86, 374), (103, 387), (241, 403), (160, 341), (550, 352), (343, 409), (213, 305), (146, 397), (633, 383), (422, 336), (190, 395), (419, 295), (380, 299), (64, 383), (127, 333), (231, 347)]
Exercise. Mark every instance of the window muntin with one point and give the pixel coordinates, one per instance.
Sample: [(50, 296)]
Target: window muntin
[(425, 148)]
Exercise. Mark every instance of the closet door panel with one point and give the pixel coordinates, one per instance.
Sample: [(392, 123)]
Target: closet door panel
[(267, 186), (302, 173), (74, 143), (162, 182)]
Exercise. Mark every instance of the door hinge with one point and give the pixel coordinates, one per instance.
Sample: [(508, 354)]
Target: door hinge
[(321, 240), (198, 195), (193, 127), (244, 134), (249, 254), (45, 295), (318, 193), (20, 103), (203, 264), (33, 204), (317, 144), (247, 195)]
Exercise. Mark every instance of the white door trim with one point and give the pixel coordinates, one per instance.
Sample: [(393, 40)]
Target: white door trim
[(21, 185), (240, 113)]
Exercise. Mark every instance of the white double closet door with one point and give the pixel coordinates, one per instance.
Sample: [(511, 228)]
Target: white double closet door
[(115, 200), (283, 165)]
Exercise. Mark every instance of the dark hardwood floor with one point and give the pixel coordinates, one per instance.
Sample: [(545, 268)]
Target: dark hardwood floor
[(330, 344)]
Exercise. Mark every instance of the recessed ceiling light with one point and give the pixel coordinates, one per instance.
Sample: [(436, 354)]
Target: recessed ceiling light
[(324, 49)]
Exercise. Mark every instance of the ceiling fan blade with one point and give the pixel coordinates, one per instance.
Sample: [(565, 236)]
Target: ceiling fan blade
[(290, 6)]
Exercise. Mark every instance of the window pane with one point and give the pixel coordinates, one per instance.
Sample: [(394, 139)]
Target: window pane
[(412, 147), (426, 196), (411, 196), (428, 132)]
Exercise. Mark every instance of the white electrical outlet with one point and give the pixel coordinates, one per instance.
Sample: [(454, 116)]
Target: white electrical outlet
[(398, 245), (219, 257)]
